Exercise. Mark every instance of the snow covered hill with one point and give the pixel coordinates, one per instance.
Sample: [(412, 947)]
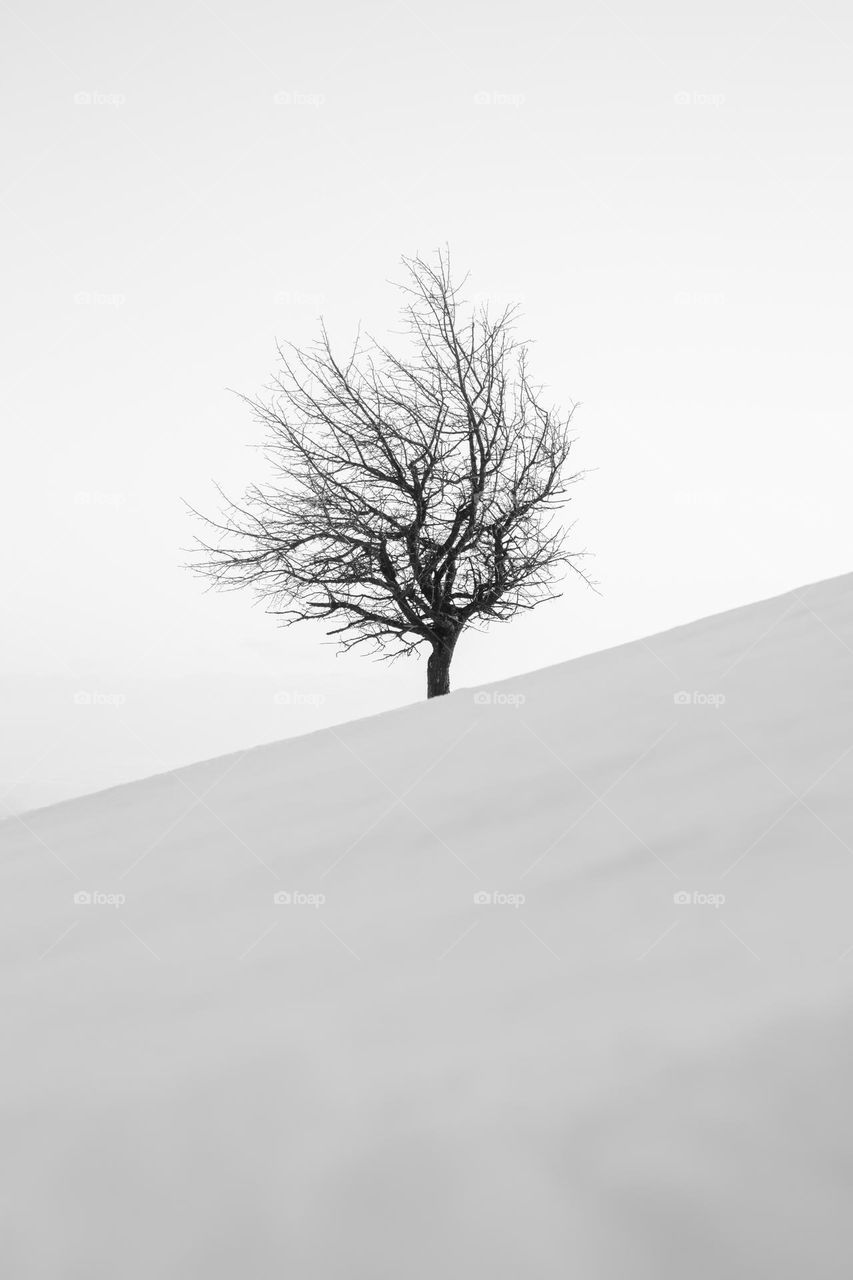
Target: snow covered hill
[(549, 979)]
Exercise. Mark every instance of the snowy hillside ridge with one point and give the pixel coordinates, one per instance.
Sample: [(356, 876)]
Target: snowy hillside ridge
[(549, 977), (510, 691)]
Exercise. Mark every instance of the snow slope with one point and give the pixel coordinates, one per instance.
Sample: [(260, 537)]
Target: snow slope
[(401, 1082)]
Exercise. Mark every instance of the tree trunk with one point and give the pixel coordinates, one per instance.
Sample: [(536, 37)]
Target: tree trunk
[(438, 668)]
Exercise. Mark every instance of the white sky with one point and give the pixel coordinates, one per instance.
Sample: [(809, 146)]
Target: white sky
[(665, 189)]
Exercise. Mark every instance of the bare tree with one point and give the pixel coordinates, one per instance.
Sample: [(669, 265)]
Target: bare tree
[(410, 496)]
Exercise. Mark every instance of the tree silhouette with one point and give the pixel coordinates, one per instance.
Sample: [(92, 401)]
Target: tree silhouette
[(410, 496)]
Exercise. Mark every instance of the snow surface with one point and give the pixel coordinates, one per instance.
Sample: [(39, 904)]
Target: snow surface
[(401, 1082)]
